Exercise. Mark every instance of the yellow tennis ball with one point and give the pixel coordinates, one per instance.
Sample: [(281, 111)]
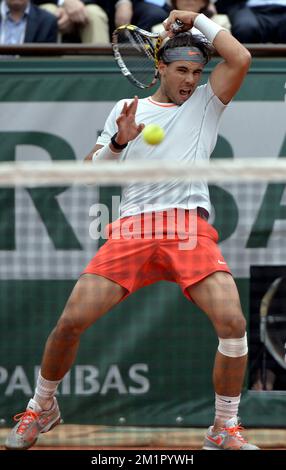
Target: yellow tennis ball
[(153, 134)]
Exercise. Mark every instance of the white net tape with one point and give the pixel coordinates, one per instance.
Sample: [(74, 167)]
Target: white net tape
[(29, 174)]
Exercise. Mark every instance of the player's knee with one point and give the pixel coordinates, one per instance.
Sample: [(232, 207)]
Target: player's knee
[(233, 347), (238, 326), (231, 326), (67, 330)]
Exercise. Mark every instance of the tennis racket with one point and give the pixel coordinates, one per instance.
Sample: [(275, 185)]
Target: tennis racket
[(136, 50)]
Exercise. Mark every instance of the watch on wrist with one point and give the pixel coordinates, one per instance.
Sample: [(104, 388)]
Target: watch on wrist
[(115, 144)]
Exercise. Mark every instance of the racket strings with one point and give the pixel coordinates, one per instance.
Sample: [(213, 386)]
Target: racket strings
[(137, 54)]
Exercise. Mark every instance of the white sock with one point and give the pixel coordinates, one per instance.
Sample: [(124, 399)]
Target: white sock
[(45, 391), (226, 407)]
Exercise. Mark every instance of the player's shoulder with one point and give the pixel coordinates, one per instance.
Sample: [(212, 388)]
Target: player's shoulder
[(202, 94), (207, 91), (202, 90)]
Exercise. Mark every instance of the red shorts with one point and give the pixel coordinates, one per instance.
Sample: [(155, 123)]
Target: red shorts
[(134, 258)]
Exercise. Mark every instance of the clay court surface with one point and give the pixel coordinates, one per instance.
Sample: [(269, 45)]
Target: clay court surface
[(88, 437)]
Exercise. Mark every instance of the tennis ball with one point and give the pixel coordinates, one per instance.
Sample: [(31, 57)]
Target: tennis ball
[(153, 134)]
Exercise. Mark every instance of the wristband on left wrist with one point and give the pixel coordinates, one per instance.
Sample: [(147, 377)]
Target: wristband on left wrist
[(115, 144)]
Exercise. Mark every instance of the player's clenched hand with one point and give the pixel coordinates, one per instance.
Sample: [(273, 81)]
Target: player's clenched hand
[(128, 129), (186, 17)]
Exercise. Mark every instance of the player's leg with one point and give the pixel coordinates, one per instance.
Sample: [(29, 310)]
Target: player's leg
[(218, 297), (91, 297)]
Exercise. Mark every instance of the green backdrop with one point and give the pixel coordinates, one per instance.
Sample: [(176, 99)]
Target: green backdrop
[(150, 359)]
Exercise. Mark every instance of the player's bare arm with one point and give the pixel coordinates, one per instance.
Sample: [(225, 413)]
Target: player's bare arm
[(227, 76), (128, 129)]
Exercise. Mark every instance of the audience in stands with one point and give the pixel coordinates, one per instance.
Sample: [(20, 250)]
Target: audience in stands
[(92, 21), (256, 21), (199, 6), (206, 7), (123, 12), (23, 22), (84, 20), (119, 12), (142, 13), (147, 13)]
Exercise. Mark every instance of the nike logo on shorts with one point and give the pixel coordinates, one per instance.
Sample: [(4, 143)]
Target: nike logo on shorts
[(221, 262)]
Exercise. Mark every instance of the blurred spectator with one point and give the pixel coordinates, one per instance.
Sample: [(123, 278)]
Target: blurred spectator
[(206, 7), (23, 22), (123, 12), (199, 6), (147, 13), (118, 12), (222, 6), (84, 19), (142, 13), (256, 21), (271, 376)]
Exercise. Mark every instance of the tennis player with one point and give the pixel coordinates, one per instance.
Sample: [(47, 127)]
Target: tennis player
[(190, 116)]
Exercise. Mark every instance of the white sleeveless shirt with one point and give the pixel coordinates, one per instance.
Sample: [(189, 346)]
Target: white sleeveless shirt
[(190, 136)]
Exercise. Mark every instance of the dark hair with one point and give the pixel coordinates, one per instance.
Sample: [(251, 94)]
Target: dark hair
[(188, 40)]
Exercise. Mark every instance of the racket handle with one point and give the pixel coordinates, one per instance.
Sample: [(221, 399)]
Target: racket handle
[(175, 28)]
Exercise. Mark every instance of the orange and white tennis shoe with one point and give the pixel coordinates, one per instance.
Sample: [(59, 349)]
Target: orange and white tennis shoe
[(30, 424), (227, 438)]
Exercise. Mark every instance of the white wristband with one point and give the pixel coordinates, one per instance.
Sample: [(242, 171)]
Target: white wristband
[(105, 153), (208, 27)]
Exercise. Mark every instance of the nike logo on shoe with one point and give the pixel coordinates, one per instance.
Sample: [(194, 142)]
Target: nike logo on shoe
[(217, 440)]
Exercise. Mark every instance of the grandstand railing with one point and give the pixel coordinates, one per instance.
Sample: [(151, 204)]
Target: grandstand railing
[(44, 50)]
